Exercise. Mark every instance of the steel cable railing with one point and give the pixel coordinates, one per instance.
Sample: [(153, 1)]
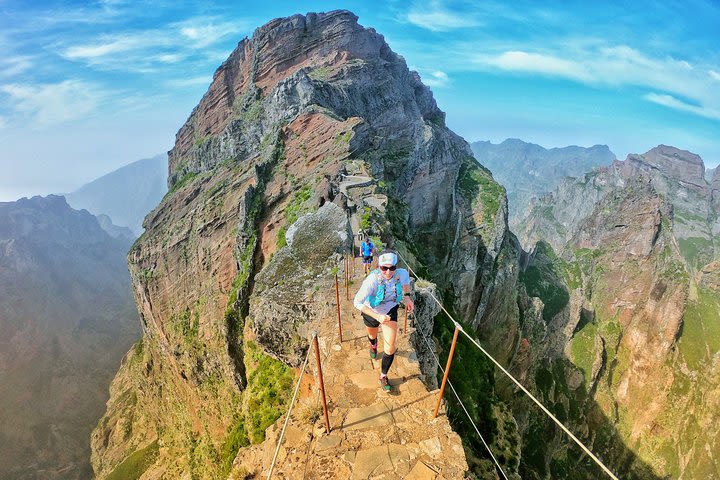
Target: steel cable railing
[(437, 360), (287, 415), (511, 377)]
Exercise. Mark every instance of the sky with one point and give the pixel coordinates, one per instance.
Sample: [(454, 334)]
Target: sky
[(87, 87)]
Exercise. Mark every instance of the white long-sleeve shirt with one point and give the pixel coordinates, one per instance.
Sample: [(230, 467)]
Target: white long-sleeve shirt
[(369, 289)]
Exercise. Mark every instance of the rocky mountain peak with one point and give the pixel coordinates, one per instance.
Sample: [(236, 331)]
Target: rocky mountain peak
[(275, 74), (672, 162)]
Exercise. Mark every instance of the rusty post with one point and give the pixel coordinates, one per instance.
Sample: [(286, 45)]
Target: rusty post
[(347, 280), (322, 385), (447, 371), (337, 304), (405, 327)]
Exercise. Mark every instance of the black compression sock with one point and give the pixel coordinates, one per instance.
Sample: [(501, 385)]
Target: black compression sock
[(387, 360), (373, 342)]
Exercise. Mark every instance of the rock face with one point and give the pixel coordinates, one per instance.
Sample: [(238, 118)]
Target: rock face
[(236, 261), (528, 170), (673, 173), (635, 242), (67, 317)]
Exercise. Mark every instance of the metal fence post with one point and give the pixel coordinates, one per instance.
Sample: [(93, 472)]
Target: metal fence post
[(322, 385), (347, 280), (447, 370), (337, 304)]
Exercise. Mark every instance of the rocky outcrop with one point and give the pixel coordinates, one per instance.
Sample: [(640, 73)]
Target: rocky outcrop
[(67, 317), (284, 297)]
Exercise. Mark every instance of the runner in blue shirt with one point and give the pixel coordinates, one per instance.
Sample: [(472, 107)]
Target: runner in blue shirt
[(366, 250)]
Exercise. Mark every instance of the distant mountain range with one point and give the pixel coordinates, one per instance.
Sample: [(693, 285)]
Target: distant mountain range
[(528, 170), (625, 261), (127, 194), (67, 317)]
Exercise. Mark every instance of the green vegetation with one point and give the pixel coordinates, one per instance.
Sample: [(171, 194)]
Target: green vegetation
[(254, 111), (320, 74), (473, 377), (477, 185), (147, 275), (294, 210), (543, 279), (186, 179), (135, 465), (696, 250), (583, 350), (202, 141), (343, 138), (247, 107), (268, 391), (700, 338), (393, 160), (236, 439), (186, 325), (365, 223)]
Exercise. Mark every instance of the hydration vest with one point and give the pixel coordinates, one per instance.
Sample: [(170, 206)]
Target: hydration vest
[(380, 294)]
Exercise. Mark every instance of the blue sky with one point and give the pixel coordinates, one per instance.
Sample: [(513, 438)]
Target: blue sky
[(88, 87)]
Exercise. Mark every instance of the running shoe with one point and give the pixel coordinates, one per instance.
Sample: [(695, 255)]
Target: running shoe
[(373, 352), (384, 384)]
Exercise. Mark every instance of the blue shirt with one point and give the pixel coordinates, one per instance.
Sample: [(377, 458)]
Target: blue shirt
[(366, 248), (370, 286)]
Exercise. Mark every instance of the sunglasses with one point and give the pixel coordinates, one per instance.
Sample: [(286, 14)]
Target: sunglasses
[(392, 269)]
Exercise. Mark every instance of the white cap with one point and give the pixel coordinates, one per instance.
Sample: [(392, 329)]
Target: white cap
[(387, 259)]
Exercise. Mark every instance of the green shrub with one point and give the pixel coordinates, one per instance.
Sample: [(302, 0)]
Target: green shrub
[(135, 464), (544, 285), (473, 377), (294, 210), (268, 392), (236, 439)]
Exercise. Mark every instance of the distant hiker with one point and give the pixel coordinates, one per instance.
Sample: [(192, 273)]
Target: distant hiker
[(378, 299), (366, 250)]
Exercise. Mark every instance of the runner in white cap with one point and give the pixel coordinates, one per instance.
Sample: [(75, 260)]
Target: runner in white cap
[(378, 299)]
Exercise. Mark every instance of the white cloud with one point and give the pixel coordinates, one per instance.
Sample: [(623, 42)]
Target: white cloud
[(48, 104), (437, 18), (538, 63), (674, 103), (89, 52), (14, 65), (205, 34), (170, 58), (147, 50), (189, 82), (618, 66), (714, 75), (436, 79)]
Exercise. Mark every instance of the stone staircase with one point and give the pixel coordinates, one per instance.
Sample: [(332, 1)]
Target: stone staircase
[(374, 435)]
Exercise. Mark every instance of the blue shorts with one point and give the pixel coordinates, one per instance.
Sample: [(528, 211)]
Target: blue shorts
[(367, 260)]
